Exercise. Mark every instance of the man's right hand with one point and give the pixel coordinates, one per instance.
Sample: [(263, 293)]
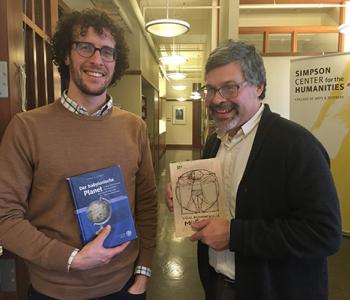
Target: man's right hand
[(169, 197), (94, 255)]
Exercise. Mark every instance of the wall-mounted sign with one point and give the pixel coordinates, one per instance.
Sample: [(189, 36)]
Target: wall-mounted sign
[(320, 101)]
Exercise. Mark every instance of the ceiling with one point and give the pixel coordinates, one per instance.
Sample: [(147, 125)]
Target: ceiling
[(196, 43)]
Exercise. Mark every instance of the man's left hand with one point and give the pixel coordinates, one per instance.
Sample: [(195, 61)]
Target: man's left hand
[(214, 232)]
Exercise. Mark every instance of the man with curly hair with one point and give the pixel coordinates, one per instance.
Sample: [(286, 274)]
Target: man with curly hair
[(80, 132)]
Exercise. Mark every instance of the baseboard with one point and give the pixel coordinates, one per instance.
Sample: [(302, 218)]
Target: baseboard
[(179, 147)]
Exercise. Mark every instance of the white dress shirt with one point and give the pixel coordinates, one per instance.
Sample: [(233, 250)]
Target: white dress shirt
[(233, 155)]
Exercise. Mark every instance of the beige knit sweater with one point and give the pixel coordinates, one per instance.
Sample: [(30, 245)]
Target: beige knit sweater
[(39, 150)]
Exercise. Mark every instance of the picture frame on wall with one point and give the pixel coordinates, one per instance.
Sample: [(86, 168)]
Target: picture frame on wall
[(179, 115)]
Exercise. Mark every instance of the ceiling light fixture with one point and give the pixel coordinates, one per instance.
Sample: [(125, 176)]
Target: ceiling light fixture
[(179, 87), (173, 59), (177, 75), (195, 95), (344, 28), (167, 27)]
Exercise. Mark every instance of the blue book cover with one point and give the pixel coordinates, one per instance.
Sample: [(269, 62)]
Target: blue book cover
[(100, 199)]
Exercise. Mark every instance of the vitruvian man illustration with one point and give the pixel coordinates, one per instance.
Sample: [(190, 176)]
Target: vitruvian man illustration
[(197, 191)]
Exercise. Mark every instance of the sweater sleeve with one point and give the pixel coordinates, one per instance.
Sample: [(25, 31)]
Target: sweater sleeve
[(17, 234), (288, 205), (146, 203)]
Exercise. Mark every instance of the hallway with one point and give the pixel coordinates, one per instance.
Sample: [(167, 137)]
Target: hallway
[(174, 269)]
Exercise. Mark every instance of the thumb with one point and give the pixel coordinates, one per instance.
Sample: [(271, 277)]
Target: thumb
[(200, 224), (102, 235)]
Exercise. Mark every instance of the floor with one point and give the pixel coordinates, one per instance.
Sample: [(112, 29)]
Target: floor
[(174, 269)]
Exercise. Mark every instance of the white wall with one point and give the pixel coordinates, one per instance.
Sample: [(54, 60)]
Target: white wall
[(278, 83), (178, 134), (277, 79)]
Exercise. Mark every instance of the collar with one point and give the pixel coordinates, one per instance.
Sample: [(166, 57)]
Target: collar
[(74, 107)]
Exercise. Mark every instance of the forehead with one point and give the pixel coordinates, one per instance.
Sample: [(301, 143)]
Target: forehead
[(81, 31), (226, 73)]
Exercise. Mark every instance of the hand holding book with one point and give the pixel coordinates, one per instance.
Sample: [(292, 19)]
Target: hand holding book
[(214, 232), (94, 254)]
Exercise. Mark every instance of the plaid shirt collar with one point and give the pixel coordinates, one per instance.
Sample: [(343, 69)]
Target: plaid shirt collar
[(74, 107)]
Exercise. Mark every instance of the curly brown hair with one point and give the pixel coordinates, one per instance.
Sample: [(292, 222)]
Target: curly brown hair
[(81, 21)]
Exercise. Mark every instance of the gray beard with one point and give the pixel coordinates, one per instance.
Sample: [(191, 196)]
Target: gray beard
[(227, 126)]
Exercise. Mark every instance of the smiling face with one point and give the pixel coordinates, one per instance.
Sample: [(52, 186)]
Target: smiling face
[(90, 77), (231, 113)]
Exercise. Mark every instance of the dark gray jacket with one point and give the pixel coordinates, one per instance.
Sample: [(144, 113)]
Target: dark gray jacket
[(287, 216)]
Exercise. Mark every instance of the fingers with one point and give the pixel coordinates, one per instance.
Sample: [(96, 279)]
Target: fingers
[(213, 232), (199, 225), (118, 249), (103, 235), (94, 255), (169, 197), (196, 236)]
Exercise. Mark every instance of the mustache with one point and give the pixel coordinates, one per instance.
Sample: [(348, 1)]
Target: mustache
[(223, 106)]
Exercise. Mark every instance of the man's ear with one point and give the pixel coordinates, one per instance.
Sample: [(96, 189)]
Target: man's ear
[(66, 60), (259, 89)]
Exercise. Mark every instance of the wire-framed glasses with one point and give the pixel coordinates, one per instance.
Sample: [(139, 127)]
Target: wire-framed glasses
[(86, 49), (227, 91)]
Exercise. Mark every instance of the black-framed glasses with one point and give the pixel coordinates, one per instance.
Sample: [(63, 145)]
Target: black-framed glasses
[(86, 49), (227, 91)]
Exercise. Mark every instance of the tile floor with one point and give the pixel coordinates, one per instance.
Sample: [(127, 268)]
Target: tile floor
[(175, 274)]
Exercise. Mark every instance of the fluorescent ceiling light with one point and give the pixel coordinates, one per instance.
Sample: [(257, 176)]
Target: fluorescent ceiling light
[(179, 87), (167, 27), (173, 59), (177, 75)]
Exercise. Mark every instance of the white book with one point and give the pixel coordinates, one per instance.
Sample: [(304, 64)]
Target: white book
[(197, 193)]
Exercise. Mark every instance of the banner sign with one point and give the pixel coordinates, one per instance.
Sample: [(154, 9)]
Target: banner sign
[(320, 101)]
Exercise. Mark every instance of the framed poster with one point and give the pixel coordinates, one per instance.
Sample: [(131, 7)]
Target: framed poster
[(179, 114)]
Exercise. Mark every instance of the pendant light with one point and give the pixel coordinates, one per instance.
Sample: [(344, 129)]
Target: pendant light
[(167, 27), (177, 75), (196, 86), (344, 28), (173, 59)]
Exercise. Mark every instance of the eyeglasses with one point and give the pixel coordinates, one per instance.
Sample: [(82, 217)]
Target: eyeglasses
[(87, 50), (227, 91)]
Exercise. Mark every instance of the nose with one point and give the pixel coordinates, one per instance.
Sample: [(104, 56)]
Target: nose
[(217, 98), (96, 57)]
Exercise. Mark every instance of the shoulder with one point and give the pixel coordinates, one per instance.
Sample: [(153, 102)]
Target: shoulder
[(128, 120), (277, 125), (44, 112), (286, 134), (121, 113)]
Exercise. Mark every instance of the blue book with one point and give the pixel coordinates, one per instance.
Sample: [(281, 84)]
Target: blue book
[(100, 198)]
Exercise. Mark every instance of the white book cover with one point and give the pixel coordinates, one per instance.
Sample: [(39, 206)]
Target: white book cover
[(197, 193)]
